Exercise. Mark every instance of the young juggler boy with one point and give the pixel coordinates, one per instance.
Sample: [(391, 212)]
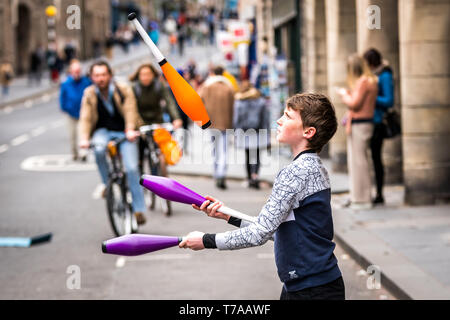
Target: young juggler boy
[(298, 211)]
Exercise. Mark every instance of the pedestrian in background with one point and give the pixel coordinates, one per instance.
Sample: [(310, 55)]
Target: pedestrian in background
[(54, 63), (154, 32), (70, 96), (251, 116), (6, 76), (211, 19), (181, 38), (360, 99), (385, 100), (37, 59), (173, 43), (218, 95), (109, 45), (70, 52)]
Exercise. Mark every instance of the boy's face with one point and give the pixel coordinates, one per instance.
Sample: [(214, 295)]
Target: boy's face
[(290, 127)]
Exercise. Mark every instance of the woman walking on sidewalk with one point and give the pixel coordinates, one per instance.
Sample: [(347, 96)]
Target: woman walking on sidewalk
[(6, 76), (251, 115), (360, 100)]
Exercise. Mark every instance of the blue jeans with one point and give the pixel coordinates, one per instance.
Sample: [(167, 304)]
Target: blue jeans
[(220, 142), (129, 152)]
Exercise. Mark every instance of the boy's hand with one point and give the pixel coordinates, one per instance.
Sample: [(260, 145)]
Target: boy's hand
[(193, 240), (212, 210)]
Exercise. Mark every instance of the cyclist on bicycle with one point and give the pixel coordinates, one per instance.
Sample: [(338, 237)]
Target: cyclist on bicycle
[(108, 111), (151, 94)]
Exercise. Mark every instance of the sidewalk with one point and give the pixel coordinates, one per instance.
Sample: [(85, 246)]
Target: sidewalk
[(411, 245)]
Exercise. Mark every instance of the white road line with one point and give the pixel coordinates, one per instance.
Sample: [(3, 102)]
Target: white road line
[(45, 98), (8, 110), (3, 148), (20, 139), (28, 104), (120, 262), (38, 131), (57, 123), (97, 194)]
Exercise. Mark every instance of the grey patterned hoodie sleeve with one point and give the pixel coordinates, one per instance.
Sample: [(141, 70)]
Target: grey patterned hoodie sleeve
[(284, 195)]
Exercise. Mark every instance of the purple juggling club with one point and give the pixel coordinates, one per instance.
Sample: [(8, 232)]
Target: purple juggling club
[(137, 244), (172, 190)]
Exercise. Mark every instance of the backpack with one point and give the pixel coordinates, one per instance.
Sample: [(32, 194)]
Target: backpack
[(391, 124), (250, 114)]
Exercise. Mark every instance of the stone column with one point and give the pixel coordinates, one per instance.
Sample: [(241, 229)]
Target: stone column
[(425, 94), (384, 40), (341, 42), (314, 59)]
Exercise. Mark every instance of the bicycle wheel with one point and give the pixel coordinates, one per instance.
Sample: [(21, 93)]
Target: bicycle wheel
[(152, 196), (119, 209), (166, 204), (155, 169)]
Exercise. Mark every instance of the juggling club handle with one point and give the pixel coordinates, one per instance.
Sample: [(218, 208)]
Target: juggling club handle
[(236, 214), (158, 55)]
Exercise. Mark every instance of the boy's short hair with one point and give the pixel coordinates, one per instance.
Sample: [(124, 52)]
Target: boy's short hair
[(316, 111)]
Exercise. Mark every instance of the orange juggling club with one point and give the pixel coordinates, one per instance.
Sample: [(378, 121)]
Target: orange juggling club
[(187, 98)]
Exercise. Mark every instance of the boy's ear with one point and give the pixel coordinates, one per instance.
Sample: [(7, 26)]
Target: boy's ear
[(309, 132)]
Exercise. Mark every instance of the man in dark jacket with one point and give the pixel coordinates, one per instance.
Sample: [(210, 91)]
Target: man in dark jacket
[(70, 100)]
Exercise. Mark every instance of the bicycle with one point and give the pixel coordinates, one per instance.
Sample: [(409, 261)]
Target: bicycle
[(152, 154), (117, 194)]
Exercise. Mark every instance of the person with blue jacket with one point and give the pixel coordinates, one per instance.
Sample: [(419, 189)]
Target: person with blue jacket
[(70, 96), (385, 100)]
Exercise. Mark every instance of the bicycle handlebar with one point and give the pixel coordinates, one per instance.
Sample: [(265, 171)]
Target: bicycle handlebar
[(116, 141), (148, 128)]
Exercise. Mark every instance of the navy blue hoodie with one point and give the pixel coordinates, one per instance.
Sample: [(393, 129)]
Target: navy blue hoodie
[(298, 215)]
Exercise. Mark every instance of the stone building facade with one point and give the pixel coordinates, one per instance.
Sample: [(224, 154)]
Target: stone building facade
[(413, 36), (23, 26)]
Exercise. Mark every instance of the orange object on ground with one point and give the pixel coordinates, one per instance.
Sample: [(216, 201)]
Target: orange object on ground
[(187, 98)]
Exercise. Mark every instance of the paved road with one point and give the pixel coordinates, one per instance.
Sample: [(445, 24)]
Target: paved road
[(65, 203)]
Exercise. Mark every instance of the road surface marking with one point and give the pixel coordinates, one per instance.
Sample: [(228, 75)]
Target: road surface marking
[(28, 104), (3, 148), (20, 139), (55, 163), (38, 131), (361, 273), (45, 98), (97, 194), (57, 123), (120, 262), (8, 110)]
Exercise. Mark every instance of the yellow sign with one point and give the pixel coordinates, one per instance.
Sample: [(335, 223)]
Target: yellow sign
[(50, 11)]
